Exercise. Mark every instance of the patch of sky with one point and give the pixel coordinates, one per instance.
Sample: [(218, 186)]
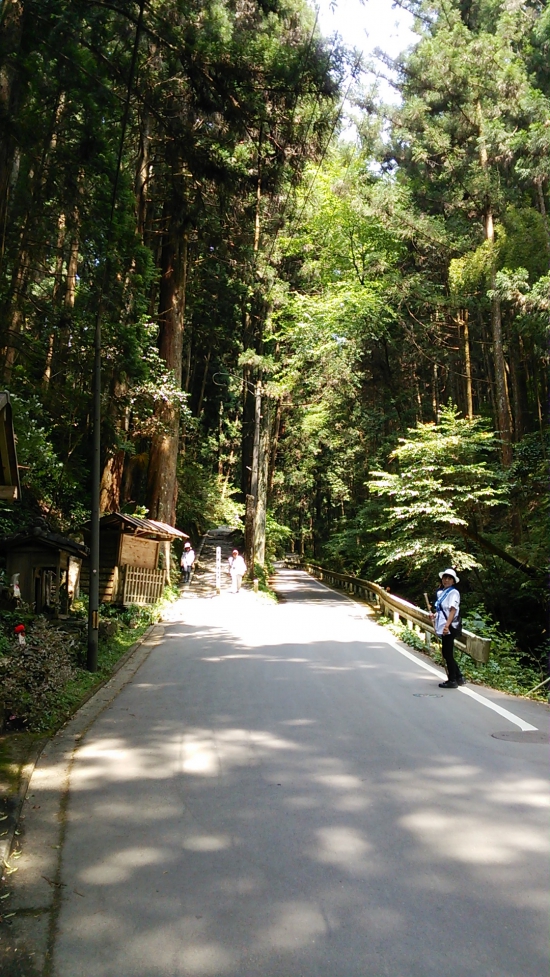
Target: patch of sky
[(369, 27)]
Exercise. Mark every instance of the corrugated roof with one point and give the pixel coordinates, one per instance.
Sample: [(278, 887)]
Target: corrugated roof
[(151, 526)]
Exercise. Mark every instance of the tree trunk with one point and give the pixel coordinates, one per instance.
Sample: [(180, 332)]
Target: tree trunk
[(163, 459), (501, 387), (15, 317), (11, 33), (142, 172), (72, 267), (464, 335), (111, 482), (263, 468), (539, 183), (203, 384), (435, 394), (274, 447), (249, 533), (490, 547)]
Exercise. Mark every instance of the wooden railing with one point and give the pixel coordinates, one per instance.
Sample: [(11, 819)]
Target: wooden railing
[(414, 617), (142, 586)]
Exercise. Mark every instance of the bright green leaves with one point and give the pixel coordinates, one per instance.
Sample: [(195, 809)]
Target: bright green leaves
[(447, 476)]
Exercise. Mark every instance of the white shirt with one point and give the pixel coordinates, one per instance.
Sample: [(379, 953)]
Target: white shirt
[(187, 558), (452, 599), (237, 565)]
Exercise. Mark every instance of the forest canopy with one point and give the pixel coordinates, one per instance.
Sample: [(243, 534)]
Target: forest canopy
[(382, 301)]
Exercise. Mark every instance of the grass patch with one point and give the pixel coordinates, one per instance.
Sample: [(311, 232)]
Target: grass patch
[(70, 697)]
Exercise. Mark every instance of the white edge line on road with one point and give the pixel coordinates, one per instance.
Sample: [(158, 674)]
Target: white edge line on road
[(525, 727), (510, 716)]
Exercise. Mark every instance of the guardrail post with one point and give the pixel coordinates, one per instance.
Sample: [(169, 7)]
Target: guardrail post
[(396, 617)]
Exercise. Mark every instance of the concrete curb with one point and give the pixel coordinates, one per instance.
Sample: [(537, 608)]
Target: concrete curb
[(6, 843)]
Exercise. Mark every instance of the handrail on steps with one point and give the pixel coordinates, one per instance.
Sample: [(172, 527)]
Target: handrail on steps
[(416, 618)]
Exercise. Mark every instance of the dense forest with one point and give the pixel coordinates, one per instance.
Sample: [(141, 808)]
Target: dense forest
[(357, 325)]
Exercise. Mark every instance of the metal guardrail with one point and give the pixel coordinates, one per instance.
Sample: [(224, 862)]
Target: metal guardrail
[(390, 605)]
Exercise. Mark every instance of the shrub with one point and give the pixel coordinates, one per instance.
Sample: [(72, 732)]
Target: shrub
[(31, 675)]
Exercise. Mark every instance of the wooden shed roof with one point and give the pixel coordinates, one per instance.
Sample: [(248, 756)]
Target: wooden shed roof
[(39, 536), (9, 472), (148, 528)]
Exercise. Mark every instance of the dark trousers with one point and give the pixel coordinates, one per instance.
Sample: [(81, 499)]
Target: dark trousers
[(447, 650), (186, 574)]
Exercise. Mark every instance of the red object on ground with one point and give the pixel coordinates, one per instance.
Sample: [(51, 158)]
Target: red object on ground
[(19, 628)]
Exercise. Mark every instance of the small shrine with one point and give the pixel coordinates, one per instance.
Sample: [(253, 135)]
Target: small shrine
[(43, 568), (130, 551)]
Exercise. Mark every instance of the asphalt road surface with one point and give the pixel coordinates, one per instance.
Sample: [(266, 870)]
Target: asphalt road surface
[(281, 792)]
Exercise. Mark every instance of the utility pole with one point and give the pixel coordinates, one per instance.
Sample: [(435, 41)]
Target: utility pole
[(93, 602), (93, 606)]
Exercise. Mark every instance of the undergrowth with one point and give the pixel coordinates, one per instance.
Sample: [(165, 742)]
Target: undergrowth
[(507, 670), (43, 682), (262, 575)]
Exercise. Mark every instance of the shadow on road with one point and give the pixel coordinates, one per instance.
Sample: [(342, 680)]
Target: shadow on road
[(235, 813)]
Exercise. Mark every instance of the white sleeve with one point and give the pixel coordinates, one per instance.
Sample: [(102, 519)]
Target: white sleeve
[(453, 600)]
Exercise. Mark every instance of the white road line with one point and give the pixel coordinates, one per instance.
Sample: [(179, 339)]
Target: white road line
[(525, 727), (510, 716)]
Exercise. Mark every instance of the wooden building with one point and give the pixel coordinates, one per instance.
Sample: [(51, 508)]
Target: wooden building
[(10, 488), (47, 565), (129, 556)]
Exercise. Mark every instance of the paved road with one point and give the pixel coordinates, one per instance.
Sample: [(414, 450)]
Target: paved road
[(279, 792)]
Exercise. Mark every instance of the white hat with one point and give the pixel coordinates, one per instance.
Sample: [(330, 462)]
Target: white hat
[(187, 545), (449, 573)]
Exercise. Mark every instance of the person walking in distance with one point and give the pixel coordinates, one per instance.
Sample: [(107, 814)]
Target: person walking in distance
[(237, 569), (448, 625), (187, 561)]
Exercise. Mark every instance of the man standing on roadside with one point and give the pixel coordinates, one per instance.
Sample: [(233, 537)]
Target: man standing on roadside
[(447, 625), (187, 561)]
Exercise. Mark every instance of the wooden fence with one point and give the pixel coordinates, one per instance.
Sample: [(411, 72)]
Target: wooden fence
[(414, 617), (142, 586)]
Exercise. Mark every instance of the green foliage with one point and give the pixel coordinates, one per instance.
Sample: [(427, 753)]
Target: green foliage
[(206, 500), (359, 282), (262, 574), (277, 537), (33, 675), (507, 668), (447, 475), (45, 681)]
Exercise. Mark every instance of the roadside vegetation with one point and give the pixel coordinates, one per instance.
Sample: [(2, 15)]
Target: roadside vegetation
[(44, 682), (507, 669)]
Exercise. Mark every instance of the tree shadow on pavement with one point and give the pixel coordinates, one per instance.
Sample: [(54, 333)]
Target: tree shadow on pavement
[(254, 812)]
